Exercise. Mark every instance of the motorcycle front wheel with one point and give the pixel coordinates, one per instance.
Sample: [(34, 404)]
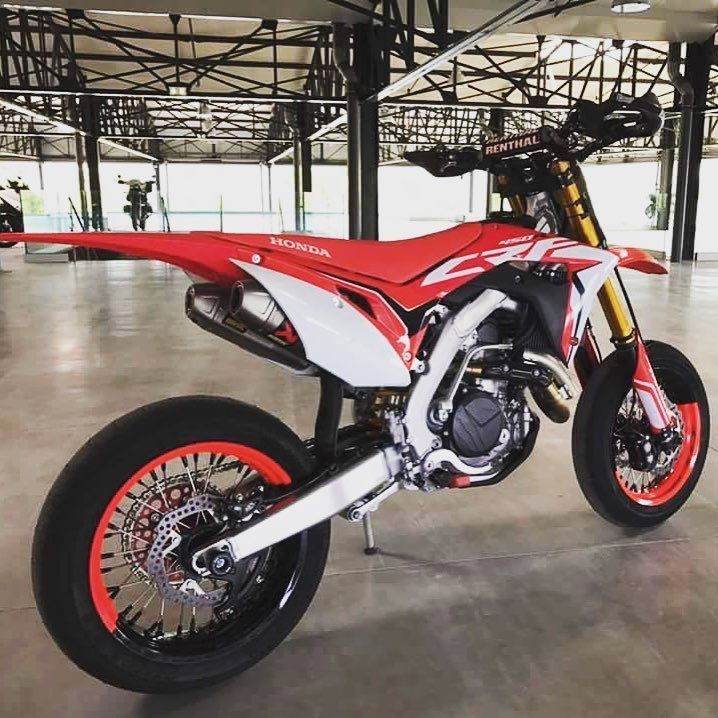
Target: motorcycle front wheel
[(626, 477), (99, 522)]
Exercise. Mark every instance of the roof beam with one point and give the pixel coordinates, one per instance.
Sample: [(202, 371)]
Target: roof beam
[(513, 14)]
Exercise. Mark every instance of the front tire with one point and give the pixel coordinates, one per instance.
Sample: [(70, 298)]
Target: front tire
[(610, 486), (89, 558)]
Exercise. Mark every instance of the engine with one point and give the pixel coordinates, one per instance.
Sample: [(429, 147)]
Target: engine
[(483, 419), (487, 423)]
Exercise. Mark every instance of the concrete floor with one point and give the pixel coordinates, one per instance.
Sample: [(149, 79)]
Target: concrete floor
[(503, 601)]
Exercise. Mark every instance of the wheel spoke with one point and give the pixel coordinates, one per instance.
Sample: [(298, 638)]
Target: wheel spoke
[(134, 537), (185, 463), (131, 531), (162, 485)]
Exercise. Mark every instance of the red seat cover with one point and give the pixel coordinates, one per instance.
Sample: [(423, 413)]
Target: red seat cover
[(396, 262)]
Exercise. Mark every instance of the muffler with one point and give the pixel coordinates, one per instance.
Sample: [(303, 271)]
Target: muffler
[(308, 508), (252, 305), (209, 306)]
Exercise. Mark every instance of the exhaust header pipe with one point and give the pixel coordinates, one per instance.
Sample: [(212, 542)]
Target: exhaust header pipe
[(209, 307)]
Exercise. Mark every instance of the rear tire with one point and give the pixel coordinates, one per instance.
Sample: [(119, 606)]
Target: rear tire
[(78, 504), (593, 441)]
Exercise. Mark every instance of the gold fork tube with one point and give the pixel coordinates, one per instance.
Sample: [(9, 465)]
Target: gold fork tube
[(582, 222)]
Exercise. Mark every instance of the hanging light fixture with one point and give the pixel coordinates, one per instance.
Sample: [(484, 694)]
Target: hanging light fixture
[(630, 7)]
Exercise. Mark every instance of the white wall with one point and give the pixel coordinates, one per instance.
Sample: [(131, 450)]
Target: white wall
[(412, 202), (28, 172), (325, 206), (706, 233), (620, 194)]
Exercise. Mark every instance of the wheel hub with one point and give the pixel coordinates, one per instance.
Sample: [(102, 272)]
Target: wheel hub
[(646, 458), (167, 542), (641, 449)]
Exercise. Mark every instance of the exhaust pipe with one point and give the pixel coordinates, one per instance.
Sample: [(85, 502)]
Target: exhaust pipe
[(251, 304), (551, 402), (309, 508), (552, 399), (209, 307)]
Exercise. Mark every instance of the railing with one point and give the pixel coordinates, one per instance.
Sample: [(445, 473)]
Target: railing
[(328, 224)]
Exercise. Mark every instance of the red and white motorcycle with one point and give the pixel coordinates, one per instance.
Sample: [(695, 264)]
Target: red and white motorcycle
[(201, 524)]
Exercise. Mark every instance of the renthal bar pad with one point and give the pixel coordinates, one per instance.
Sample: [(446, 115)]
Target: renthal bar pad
[(543, 138)]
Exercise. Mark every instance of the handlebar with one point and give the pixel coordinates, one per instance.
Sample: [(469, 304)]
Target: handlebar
[(620, 117), (606, 123), (145, 185)]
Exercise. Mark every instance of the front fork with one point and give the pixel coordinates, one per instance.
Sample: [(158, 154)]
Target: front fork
[(573, 198)]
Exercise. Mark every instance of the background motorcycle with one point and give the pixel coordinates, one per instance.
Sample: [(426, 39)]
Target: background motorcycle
[(200, 524), (11, 212), (139, 207)]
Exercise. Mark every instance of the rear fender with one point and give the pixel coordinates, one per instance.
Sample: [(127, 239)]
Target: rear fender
[(202, 254)]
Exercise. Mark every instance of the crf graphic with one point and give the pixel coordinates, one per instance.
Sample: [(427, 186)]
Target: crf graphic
[(531, 249)]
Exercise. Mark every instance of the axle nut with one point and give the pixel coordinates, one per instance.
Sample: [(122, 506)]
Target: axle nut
[(220, 563)]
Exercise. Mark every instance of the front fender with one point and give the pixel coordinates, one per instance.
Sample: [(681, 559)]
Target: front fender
[(638, 259)]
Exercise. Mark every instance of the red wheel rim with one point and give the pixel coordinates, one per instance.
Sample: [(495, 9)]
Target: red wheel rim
[(266, 467), (669, 487)]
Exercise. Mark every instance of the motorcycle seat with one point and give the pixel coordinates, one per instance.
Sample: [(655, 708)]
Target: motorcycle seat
[(395, 262)]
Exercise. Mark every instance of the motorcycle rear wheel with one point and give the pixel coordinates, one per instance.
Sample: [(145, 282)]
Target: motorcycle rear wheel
[(90, 570), (616, 490)]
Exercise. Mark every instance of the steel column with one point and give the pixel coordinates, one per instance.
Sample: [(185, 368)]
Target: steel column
[(699, 57), (93, 175), (370, 169), (363, 167), (362, 135), (270, 197), (90, 125), (665, 180), (80, 159), (494, 202), (299, 217), (302, 157), (354, 163)]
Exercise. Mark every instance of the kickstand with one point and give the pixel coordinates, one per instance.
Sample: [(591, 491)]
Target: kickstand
[(370, 547)]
